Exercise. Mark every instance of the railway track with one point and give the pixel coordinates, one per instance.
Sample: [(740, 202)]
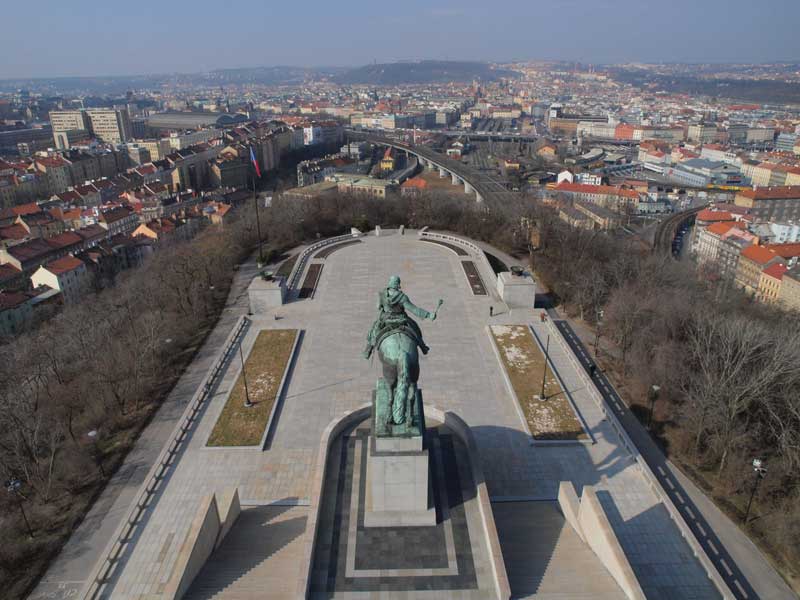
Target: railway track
[(665, 233)]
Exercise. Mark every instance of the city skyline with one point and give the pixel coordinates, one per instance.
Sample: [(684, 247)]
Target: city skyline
[(150, 38)]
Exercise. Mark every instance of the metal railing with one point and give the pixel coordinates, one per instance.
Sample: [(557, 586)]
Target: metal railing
[(475, 249), (103, 570), (294, 278)]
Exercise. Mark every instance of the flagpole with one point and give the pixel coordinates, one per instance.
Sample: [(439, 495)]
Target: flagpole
[(258, 220)]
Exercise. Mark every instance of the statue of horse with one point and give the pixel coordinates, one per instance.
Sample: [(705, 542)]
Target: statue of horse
[(399, 358)]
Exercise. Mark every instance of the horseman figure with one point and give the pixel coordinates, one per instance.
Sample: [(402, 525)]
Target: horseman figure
[(397, 336)]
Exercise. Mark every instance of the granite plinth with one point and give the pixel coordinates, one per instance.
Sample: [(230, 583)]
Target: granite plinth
[(398, 484), (517, 291), (266, 294)]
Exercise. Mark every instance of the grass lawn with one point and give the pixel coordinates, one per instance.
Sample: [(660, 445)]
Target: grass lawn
[(551, 418), (264, 367)]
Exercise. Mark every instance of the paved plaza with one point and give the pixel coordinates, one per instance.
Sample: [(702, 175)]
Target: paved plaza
[(461, 374)]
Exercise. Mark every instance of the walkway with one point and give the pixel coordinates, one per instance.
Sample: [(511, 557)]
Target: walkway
[(66, 575)]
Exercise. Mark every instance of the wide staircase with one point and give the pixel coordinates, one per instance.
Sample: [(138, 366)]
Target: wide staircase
[(259, 558), (545, 559)]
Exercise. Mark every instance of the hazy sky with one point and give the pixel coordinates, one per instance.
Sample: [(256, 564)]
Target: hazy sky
[(111, 37)]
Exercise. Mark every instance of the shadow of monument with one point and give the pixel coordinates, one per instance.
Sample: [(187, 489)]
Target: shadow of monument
[(646, 552), (522, 481)]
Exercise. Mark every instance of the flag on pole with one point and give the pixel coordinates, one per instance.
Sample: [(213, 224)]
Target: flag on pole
[(255, 162)]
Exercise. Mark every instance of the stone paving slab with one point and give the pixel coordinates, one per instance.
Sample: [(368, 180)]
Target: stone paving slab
[(460, 374)]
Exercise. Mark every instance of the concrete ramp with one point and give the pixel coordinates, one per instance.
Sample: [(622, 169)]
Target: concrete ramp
[(259, 558), (545, 558)]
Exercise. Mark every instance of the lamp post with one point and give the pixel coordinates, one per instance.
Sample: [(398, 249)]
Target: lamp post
[(12, 487), (600, 314), (93, 435), (258, 219), (247, 403), (652, 396), (544, 371), (761, 472)]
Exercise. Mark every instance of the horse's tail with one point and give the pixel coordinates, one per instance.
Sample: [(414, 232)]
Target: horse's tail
[(404, 381)]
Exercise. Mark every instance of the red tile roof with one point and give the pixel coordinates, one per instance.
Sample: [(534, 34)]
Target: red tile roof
[(785, 250), (776, 271), (26, 209), (714, 215), (63, 265), (782, 192), (63, 240), (8, 271), (721, 227), (759, 254), (416, 183), (13, 232), (582, 188), (11, 299)]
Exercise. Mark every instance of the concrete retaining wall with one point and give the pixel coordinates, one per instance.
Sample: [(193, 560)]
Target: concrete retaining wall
[(212, 522), (570, 505), (229, 508), (598, 534), (196, 548)]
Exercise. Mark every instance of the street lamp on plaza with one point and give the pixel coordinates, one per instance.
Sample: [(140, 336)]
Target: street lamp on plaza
[(247, 403), (761, 472), (544, 371)]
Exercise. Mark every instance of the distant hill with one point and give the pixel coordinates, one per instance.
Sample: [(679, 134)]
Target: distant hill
[(426, 71)]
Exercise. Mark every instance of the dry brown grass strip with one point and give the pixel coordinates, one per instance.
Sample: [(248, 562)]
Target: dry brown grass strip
[(551, 418), (264, 367)]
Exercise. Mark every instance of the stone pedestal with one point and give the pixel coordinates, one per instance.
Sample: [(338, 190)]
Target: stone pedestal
[(266, 294), (517, 291), (398, 487)]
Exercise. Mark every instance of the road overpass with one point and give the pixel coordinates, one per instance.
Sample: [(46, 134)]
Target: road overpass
[(486, 189)]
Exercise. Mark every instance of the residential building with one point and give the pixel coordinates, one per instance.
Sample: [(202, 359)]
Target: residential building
[(120, 219), (752, 262), (769, 286), (702, 132), (575, 218), (110, 125), (601, 218), (771, 203), (16, 311), (68, 274), (614, 198), (789, 295), (68, 127)]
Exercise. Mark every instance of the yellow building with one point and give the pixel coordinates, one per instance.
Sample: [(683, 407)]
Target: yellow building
[(769, 285), (789, 295), (387, 162)]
